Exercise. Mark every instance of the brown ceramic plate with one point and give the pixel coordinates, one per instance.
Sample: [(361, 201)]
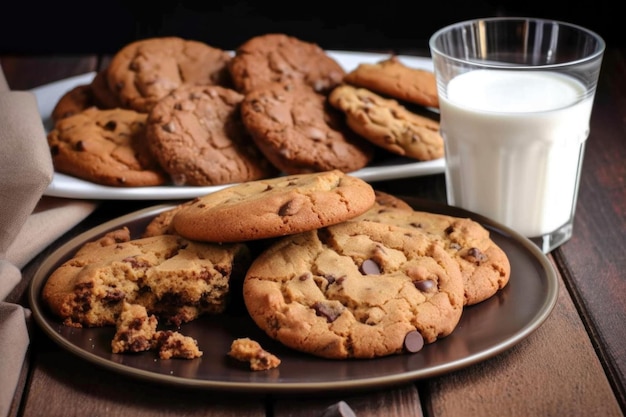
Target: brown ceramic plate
[(485, 329)]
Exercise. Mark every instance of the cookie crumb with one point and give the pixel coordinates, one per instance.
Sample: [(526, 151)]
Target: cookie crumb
[(134, 329), (171, 344), (247, 350)]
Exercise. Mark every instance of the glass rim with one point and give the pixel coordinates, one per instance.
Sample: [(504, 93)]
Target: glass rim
[(597, 53)]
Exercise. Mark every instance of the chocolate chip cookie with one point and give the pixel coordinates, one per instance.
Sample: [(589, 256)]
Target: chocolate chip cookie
[(356, 289), (299, 132), (274, 207), (73, 101), (107, 147), (103, 96), (393, 78), (197, 135), (144, 71), (484, 265), (276, 57), (175, 279), (388, 124)]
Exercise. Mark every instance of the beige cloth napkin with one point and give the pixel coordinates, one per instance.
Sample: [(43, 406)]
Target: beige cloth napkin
[(28, 222)]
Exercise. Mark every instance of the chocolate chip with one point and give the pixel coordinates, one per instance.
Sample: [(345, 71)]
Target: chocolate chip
[(136, 263), (110, 125), (114, 296), (425, 285), (340, 409), (135, 323), (79, 146), (413, 341), (331, 312), (476, 255), (369, 267)]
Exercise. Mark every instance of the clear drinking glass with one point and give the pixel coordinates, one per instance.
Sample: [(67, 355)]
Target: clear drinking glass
[(515, 98)]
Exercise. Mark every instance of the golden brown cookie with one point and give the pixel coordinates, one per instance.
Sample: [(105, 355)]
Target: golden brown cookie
[(103, 96), (106, 147), (355, 290), (175, 279), (276, 57), (197, 135), (73, 101), (146, 70), (388, 124), (484, 265), (274, 207), (161, 224), (393, 78), (299, 132), (384, 199)]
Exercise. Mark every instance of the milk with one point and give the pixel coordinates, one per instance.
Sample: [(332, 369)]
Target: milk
[(514, 145)]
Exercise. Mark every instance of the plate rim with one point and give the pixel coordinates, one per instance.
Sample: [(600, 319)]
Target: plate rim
[(539, 317), (66, 186)]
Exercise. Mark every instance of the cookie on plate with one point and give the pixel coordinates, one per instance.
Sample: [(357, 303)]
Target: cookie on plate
[(144, 71), (299, 132), (388, 124), (384, 199), (484, 265), (73, 101), (174, 278), (393, 78), (161, 224), (356, 289), (103, 96), (107, 147), (276, 57), (197, 135), (274, 207)]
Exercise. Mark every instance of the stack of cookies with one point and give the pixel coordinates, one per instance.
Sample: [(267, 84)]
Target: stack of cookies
[(181, 112), (327, 265)]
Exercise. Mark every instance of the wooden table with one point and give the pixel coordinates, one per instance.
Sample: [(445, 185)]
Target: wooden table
[(573, 365)]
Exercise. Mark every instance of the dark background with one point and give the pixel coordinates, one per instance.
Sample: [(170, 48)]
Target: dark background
[(67, 27)]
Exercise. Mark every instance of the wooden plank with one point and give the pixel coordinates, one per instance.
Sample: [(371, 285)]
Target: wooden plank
[(594, 256), (63, 385), (554, 372)]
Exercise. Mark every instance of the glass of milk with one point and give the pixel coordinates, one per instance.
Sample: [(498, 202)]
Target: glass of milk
[(515, 97)]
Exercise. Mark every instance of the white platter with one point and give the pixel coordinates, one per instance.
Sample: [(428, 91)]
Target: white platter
[(70, 187)]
